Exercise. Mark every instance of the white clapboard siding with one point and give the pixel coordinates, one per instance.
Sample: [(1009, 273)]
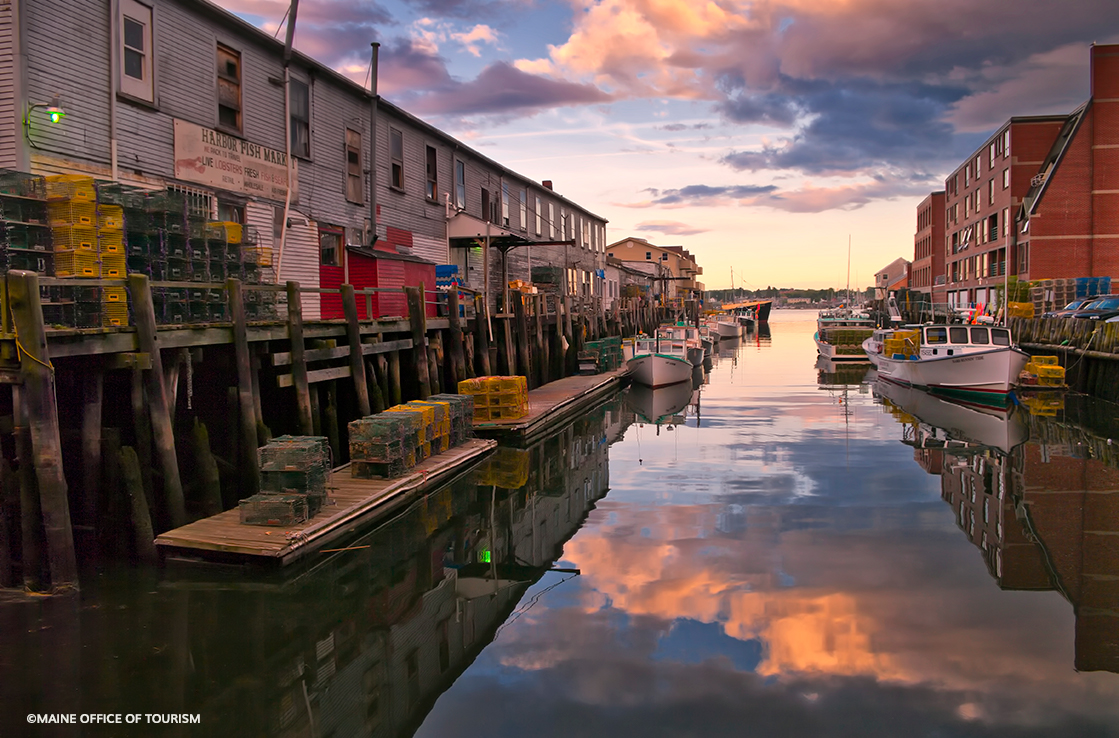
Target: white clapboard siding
[(301, 261), (9, 118)]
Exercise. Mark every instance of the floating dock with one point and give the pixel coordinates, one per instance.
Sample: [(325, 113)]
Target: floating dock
[(222, 537), (552, 404)]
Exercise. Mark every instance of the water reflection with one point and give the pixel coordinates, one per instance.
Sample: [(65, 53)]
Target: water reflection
[(1044, 515), (360, 643)]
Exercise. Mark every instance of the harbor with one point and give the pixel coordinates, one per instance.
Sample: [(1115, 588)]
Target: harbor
[(785, 499)]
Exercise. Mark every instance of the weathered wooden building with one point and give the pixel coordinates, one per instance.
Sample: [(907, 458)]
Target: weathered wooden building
[(185, 95)]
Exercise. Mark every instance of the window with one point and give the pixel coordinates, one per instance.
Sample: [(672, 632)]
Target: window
[(538, 216), (505, 204), (229, 88), (991, 156), (330, 247), (1006, 221), (935, 336), (431, 169), (396, 154), (135, 79), (486, 214), (1000, 336), (648, 255), (958, 333), (355, 192), (1005, 178), (978, 167), (552, 220), (990, 192), (1006, 143), (523, 195), (300, 119), (231, 212), (460, 185)]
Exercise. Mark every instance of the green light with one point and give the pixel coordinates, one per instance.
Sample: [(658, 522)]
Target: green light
[(484, 556), (56, 115)]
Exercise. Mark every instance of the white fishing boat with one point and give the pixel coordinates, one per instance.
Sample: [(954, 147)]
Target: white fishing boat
[(976, 363), (728, 327), (691, 338), (664, 405), (659, 362), (840, 334)]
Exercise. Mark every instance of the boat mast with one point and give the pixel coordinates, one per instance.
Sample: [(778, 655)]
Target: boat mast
[(848, 271)]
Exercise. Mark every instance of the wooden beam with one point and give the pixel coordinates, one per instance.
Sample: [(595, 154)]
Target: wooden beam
[(42, 416), (458, 362), (357, 359), (283, 358), (317, 375), (143, 311)]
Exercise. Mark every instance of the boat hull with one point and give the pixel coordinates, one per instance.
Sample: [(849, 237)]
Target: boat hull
[(658, 370), (986, 377), (729, 329)]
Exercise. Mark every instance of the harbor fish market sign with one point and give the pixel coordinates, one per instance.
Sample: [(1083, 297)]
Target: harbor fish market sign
[(225, 162)]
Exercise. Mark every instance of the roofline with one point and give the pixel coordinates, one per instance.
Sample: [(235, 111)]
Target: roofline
[(263, 38), (1016, 119)]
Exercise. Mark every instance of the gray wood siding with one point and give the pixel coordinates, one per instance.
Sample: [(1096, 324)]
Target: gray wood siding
[(10, 129), (68, 55), (410, 210)]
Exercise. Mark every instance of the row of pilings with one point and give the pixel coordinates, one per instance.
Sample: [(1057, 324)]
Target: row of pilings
[(109, 437)]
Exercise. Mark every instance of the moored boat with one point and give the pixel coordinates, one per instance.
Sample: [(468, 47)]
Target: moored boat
[(659, 362), (691, 338), (840, 334), (976, 363)]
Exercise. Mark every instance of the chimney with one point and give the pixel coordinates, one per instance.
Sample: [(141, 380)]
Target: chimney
[(547, 183)]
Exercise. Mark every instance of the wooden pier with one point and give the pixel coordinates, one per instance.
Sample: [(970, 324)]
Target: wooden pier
[(223, 538)]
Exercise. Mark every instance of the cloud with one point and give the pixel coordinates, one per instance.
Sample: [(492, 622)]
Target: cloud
[(670, 227), (677, 127), (501, 88), (808, 198), (479, 34)]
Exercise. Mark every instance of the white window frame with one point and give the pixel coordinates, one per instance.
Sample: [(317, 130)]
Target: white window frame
[(539, 215), (460, 184), (523, 208), (299, 124), (552, 221), (140, 89), (396, 163), (505, 204)]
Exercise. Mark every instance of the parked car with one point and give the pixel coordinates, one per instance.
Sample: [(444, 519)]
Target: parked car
[(1069, 309), (1102, 309)]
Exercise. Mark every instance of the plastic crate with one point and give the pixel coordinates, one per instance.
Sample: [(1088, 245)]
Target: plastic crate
[(110, 218), (113, 266), (22, 184), (227, 231), (378, 469), (18, 236), (75, 263), (110, 242), (274, 510), (259, 255), (70, 187), (30, 261), (74, 238)]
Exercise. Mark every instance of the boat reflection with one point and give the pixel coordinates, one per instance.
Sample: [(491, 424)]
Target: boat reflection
[(664, 405), (1030, 488), (840, 373)]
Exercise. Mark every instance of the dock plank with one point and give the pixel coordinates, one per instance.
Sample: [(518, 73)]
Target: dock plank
[(355, 501)]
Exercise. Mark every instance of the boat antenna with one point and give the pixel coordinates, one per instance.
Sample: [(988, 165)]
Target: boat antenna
[(848, 270)]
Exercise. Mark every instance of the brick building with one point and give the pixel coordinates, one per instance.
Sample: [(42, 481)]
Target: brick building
[(926, 274), (1042, 193)]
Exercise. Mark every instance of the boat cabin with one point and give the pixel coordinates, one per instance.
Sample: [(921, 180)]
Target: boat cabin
[(939, 340)]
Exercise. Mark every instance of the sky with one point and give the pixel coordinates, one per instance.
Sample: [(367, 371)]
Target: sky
[(762, 135)]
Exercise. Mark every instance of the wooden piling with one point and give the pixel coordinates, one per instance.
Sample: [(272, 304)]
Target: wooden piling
[(331, 426), (249, 465), (143, 536), (298, 361), (417, 318), (30, 511), (114, 512), (143, 311), (9, 491), (541, 344), (357, 358), (455, 340), (482, 337), (206, 470), (142, 431), (524, 361), (509, 345), (94, 391), (395, 392), (42, 415), (570, 358)]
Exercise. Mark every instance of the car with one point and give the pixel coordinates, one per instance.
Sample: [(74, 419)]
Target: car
[(1069, 309), (1102, 309)]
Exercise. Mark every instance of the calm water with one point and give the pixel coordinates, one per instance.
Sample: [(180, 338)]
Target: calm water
[(784, 550)]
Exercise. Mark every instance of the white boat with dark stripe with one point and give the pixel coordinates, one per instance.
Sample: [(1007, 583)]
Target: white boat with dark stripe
[(660, 362)]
